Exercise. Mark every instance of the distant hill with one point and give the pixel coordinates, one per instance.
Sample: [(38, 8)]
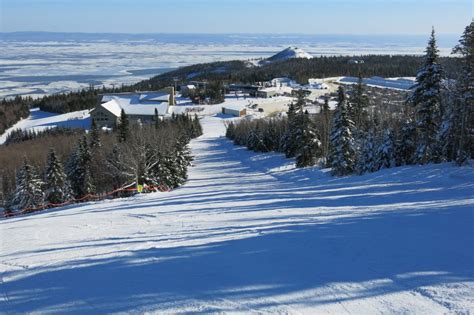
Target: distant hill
[(288, 53)]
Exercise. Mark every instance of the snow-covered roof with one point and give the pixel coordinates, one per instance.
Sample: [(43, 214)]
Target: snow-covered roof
[(283, 79), (234, 106), (154, 97), (137, 104), (113, 107)]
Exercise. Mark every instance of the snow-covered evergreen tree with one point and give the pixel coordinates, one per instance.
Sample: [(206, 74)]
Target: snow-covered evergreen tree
[(28, 189), (405, 144), (310, 148), (94, 140), (446, 140), (343, 154), (56, 186), (426, 98), (289, 145), (464, 105), (123, 127), (358, 105), (183, 160), (386, 151), (78, 169), (366, 156)]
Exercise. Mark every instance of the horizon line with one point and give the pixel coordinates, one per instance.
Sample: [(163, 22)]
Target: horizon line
[(227, 33)]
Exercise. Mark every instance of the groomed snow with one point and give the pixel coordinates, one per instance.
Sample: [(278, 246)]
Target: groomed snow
[(249, 234), (39, 120)]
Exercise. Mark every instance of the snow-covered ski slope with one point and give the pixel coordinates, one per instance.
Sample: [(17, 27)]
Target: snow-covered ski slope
[(250, 234)]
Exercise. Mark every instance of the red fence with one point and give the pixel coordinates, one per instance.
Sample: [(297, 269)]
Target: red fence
[(88, 197)]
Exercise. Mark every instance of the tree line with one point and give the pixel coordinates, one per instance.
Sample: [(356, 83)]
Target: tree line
[(148, 155), (434, 125), (11, 111)]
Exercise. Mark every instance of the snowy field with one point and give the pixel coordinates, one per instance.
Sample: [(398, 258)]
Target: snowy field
[(40, 120), (36, 64), (405, 83), (249, 234)]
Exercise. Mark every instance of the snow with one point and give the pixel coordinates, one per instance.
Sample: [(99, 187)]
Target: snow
[(137, 104), (40, 120), (404, 83), (249, 233), (289, 53)]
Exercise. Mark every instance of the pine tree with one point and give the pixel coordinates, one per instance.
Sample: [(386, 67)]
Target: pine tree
[(28, 190), (56, 185), (426, 98), (342, 157), (446, 140), (386, 151), (289, 145), (405, 145), (123, 127), (326, 128), (197, 126), (156, 119), (94, 141), (78, 169), (464, 109), (358, 105), (366, 157), (183, 160), (309, 144)]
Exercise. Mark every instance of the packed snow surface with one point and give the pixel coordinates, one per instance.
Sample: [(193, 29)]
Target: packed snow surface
[(249, 234), (39, 121)]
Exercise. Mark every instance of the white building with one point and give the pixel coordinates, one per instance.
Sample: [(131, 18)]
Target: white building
[(317, 84), (140, 107), (278, 82)]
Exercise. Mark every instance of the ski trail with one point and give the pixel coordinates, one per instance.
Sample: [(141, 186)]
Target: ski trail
[(248, 233)]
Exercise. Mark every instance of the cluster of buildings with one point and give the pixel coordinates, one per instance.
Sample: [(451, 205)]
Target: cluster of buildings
[(145, 107)]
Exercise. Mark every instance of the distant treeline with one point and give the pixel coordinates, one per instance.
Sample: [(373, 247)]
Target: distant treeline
[(12, 111), (20, 135), (300, 69)]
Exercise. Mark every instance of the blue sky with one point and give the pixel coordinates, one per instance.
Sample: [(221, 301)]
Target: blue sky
[(237, 16)]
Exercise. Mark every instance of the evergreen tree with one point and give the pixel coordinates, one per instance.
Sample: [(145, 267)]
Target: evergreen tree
[(55, 182), (446, 139), (342, 157), (94, 136), (183, 160), (156, 119), (426, 98), (464, 110), (78, 169), (406, 146), (326, 128), (386, 151), (123, 127), (28, 190), (366, 157), (358, 105), (289, 145), (309, 144)]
